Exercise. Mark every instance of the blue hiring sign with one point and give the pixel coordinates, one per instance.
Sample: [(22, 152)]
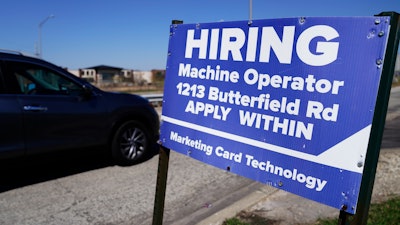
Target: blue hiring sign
[(286, 102)]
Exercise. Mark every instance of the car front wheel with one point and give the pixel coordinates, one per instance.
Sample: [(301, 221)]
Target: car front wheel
[(130, 143)]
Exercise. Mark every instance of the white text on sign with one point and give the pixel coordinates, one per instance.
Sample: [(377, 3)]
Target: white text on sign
[(232, 40)]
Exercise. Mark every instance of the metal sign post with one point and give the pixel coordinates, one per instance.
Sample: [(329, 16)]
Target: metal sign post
[(378, 125), (295, 103), (162, 175), (161, 186)]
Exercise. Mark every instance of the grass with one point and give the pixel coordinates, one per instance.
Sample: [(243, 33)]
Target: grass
[(247, 218), (385, 213)]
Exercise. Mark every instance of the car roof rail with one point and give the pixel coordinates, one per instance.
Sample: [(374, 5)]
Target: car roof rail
[(10, 51), (16, 52)]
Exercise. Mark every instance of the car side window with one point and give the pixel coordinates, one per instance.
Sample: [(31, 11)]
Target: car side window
[(34, 79)]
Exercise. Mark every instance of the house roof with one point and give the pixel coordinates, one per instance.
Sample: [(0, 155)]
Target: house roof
[(104, 67)]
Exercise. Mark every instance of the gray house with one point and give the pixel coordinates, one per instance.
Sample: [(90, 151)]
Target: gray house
[(107, 74)]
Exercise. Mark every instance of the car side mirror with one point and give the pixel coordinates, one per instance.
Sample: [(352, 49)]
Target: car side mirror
[(87, 92)]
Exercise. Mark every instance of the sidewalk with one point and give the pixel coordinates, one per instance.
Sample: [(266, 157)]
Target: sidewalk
[(286, 208), (290, 209), (274, 204)]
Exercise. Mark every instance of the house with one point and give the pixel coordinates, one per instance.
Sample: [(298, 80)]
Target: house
[(106, 75), (142, 77), (103, 74)]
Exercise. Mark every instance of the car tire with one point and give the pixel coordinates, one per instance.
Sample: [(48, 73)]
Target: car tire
[(130, 143)]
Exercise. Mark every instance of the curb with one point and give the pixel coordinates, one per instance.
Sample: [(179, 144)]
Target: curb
[(261, 193)]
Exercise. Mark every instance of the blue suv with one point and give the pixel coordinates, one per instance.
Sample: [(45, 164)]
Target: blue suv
[(44, 108)]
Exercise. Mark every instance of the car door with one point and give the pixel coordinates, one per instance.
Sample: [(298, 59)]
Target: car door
[(12, 142), (58, 112)]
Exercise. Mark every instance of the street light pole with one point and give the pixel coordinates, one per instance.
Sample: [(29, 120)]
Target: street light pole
[(39, 47), (250, 11)]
